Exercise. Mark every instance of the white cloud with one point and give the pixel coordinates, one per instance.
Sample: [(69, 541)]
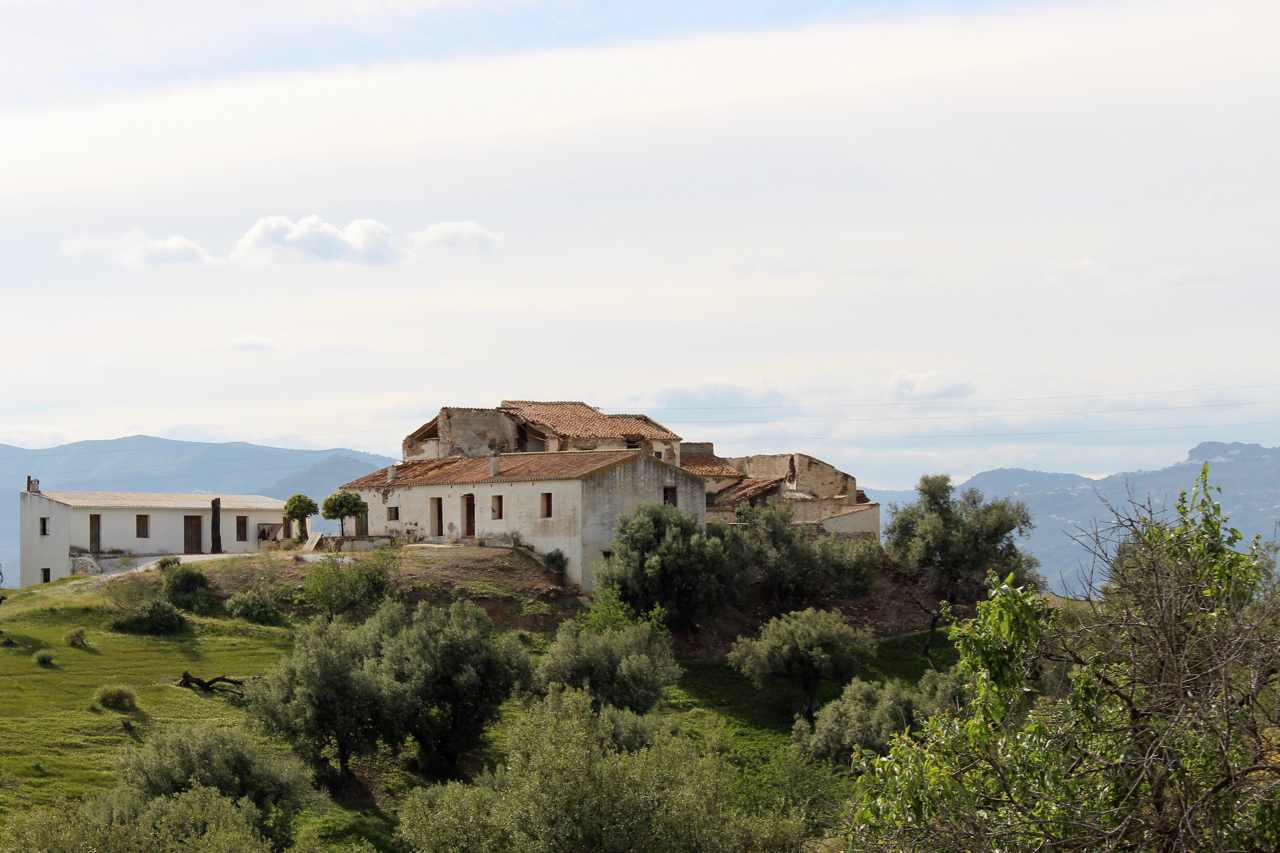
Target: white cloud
[(254, 343), (278, 240), (134, 250), (468, 235)]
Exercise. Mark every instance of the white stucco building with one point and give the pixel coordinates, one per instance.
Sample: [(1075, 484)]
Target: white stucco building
[(566, 500), (56, 526)]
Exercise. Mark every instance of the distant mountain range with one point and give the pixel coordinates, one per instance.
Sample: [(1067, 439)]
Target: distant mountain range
[(1064, 504), (143, 463)]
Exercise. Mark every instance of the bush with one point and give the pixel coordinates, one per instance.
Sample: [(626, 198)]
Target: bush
[(253, 606), (153, 617), (626, 668), (113, 697), (566, 787), (44, 657), (850, 563), (187, 588), (334, 588), (556, 561), (164, 564), (222, 760), (74, 637)]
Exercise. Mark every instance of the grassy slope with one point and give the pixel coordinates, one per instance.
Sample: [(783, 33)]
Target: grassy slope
[(53, 744)]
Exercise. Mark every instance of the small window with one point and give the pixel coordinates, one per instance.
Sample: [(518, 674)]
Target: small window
[(657, 454), (546, 504), (669, 495), (44, 527), (242, 528), (496, 507), (393, 513), (46, 575), (633, 445), (142, 526)]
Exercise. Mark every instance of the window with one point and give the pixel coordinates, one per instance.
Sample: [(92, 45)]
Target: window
[(45, 575), (242, 528), (657, 454), (633, 445), (495, 509), (393, 513), (546, 504), (669, 495), (44, 527), (142, 526)]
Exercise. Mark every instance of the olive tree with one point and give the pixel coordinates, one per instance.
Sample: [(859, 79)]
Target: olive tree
[(626, 667), (660, 556), (805, 648)]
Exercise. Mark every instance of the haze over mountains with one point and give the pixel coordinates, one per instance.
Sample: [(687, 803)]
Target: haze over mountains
[(143, 463), (1064, 504)]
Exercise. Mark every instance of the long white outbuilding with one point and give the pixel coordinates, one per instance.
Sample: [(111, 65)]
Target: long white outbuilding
[(58, 526)]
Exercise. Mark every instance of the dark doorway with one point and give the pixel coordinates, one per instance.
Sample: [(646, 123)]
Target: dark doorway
[(192, 534), (469, 515), (95, 534), (437, 516)]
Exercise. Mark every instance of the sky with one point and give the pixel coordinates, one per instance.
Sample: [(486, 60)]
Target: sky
[(904, 237)]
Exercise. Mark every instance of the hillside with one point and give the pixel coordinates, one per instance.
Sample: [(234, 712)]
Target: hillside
[(1064, 504), (143, 463)]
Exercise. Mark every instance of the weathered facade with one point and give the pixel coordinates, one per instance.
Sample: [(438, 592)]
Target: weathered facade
[(57, 525), (565, 500), (526, 426)]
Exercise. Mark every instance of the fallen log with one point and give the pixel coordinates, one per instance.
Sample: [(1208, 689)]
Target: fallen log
[(189, 680)]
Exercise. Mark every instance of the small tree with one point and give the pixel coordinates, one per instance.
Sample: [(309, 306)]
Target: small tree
[(453, 672), (340, 506), (803, 647), (334, 587), (661, 557), (300, 508), (325, 696)]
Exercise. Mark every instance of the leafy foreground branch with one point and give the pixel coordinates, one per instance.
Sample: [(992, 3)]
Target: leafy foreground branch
[(1144, 720)]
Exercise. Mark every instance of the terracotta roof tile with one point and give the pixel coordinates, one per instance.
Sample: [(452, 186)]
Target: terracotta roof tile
[(748, 488), (708, 467), (513, 467), (578, 420)]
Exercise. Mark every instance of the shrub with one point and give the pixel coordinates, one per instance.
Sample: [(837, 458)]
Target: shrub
[(850, 563), (164, 564), (74, 637), (44, 657), (253, 606), (626, 668), (186, 587), (153, 617), (334, 588), (229, 762), (566, 787), (556, 561), (113, 697)]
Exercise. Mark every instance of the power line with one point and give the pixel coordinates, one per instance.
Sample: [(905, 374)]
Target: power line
[(980, 417), (961, 402)]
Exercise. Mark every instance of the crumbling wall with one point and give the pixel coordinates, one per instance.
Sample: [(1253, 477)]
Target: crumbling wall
[(802, 473), (476, 432)]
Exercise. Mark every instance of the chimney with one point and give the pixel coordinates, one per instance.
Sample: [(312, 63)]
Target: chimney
[(33, 485), (495, 465), (391, 473)]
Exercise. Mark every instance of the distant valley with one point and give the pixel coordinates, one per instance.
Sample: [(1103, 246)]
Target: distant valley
[(1064, 504), (143, 463)]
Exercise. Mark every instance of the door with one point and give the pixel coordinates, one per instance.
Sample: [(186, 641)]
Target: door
[(469, 514), (192, 534), (95, 534), (437, 509)]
